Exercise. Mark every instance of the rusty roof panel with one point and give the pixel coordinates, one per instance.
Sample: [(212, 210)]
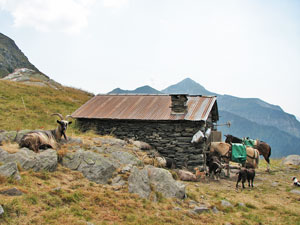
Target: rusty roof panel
[(143, 107)]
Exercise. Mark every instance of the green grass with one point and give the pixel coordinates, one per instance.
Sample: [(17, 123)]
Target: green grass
[(39, 104)]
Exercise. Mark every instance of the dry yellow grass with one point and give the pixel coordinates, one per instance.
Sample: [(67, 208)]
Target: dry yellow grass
[(10, 147)]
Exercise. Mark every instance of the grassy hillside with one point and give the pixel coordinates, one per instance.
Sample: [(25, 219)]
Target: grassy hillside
[(30, 107)]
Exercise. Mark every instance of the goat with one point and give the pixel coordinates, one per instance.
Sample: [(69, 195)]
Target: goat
[(36, 140), (245, 174)]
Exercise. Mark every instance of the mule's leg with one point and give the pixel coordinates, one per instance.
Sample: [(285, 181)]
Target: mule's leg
[(228, 170), (268, 161)]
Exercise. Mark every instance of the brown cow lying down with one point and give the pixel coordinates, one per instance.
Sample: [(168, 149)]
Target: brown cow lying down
[(245, 174)]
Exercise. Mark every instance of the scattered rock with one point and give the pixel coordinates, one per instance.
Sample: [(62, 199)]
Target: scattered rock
[(295, 191), (89, 223), (177, 209), (292, 160), (226, 203), (1, 210), (215, 210), (241, 204), (11, 192), (192, 202), (57, 189), (94, 167), (10, 170), (200, 209), (45, 160), (274, 184)]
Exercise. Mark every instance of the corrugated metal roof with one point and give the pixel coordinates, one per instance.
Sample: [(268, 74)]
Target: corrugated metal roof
[(143, 107)]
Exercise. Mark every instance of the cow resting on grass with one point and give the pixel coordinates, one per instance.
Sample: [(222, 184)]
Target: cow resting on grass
[(36, 140)]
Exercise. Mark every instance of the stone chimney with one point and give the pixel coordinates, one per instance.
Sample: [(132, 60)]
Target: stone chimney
[(178, 104)]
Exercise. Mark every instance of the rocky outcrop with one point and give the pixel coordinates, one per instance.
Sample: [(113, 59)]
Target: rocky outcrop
[(32, 77), (292, 160), (94, 167), (27, 159), (150, 178)]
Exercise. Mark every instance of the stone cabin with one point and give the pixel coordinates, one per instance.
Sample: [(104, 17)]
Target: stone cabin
[(166, 122)]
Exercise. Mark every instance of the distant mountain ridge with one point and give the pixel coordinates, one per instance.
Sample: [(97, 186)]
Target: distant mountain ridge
[(250, 117), (141, 90)]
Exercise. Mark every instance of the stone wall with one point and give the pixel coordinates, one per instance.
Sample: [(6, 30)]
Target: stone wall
[(172, 139)]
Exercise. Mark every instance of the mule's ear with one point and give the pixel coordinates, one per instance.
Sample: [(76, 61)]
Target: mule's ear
[(225, 135), (70, 122)]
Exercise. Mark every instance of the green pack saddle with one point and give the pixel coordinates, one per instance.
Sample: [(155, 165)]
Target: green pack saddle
[(238, 153), (248, 142)]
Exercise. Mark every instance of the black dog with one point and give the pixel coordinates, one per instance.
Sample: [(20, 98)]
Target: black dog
[(214, 166), (245, 174)]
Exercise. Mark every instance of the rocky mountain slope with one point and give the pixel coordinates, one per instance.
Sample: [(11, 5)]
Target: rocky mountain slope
[(11, 57)]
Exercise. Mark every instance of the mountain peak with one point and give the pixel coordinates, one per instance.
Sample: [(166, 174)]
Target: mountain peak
[(140, 90), (189, 86)]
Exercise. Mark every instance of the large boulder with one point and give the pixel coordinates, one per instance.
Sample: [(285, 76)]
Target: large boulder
[(160, 180), (27, 159), (292, 160), (10, 170), (94, 167), (139, 182)]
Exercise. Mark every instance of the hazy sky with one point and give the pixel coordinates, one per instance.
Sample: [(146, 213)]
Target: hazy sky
[(242, 48)]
